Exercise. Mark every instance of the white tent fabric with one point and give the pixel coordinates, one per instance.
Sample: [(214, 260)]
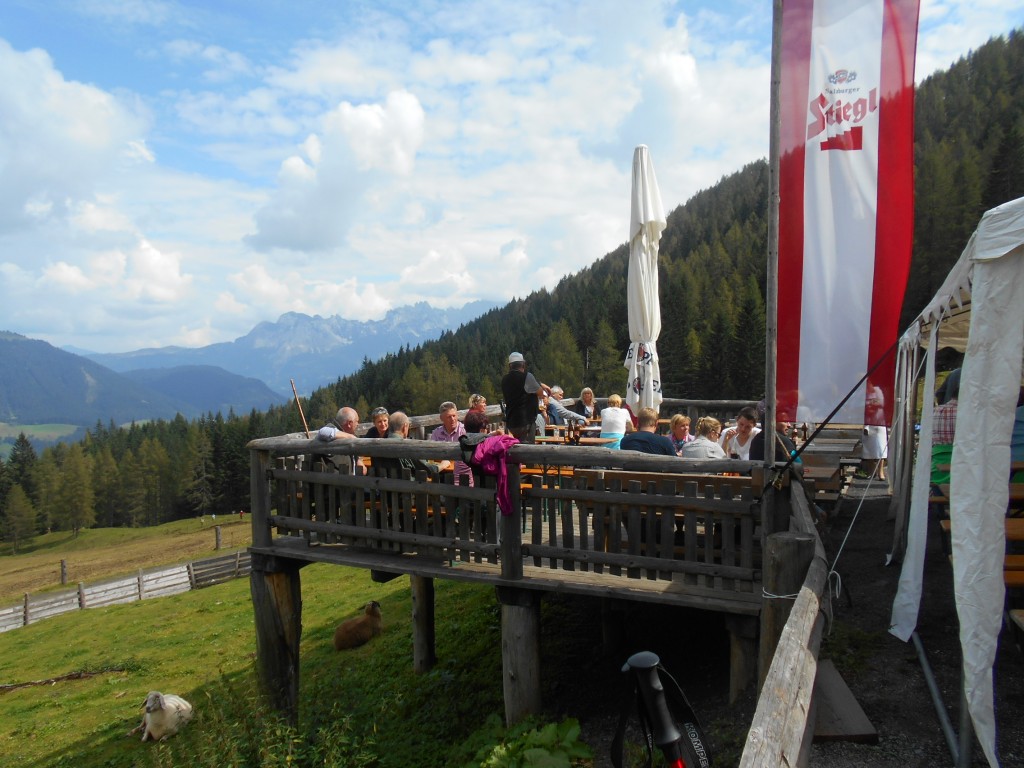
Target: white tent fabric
[(647, 221), (990, 277)]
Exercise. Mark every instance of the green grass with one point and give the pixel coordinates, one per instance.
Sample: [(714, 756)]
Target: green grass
[(201, 645), (101, 553), (37, 431)]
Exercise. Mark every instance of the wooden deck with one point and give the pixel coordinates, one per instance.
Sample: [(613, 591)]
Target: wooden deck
[(581, 520), (685, 539)]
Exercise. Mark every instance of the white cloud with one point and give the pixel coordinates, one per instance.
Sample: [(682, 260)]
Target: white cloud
[(193, 170), (221, 65), (381, 136), (156, 276), (318, 195), (58, 138)]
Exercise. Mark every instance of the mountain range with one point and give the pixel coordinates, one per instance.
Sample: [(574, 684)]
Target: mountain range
[(312, 351), (40, 383)]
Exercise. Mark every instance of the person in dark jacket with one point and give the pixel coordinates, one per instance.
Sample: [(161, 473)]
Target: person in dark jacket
[(519, 390), (645, 438)]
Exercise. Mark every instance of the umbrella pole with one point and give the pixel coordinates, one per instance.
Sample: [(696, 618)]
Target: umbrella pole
[(772, 282)]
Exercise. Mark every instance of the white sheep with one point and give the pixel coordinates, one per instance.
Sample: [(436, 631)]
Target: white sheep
[(357, 631), (165, 714)]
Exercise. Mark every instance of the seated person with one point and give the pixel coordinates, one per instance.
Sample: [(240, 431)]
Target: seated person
[(645, 438), (558, 413), (784, 447), (478, 403), (680, 429), (398, 429), (342, 426), (449, 431), (586, 405), (615, 421), (475, 421), (736, 440), (705, 445), (944, 429), (379, 430)]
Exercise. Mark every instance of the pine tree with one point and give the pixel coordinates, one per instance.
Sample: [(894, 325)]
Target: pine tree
[(20, 464), (19, 519), (75, 496), (559, 360)]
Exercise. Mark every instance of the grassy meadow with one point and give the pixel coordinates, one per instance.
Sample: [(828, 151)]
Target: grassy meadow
[(71, 686), (101, 553), (361, 707)]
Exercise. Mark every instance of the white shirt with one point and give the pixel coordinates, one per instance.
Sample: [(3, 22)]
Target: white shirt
[(613, 421)]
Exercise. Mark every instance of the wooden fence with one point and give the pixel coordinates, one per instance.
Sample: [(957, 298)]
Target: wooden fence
[(155, 582)]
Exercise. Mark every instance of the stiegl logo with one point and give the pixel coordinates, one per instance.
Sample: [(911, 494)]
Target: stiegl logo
[(839, 106)]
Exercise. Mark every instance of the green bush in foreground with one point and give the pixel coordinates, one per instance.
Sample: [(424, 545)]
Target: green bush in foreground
[(529, 745)]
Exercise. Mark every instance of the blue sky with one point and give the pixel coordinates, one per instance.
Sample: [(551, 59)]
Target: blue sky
[(175, 172)]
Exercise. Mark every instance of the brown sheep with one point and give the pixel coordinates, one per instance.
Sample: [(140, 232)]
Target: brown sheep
[(357, 631)]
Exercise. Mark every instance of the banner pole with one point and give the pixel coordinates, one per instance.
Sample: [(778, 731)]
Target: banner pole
[(772, 282)]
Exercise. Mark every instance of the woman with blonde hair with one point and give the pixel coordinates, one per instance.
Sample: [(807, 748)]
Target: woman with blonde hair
[(705, 445), (586, 406), (615, 421), (679, 427)]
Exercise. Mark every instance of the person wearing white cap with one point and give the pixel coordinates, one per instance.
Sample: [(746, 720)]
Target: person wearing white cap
[(519, 391)]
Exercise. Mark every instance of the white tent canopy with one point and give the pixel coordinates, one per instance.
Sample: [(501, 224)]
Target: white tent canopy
[(980, 310)]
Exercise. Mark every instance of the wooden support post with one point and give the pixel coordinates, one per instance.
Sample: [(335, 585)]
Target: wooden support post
[(277, 604), (742, 653), (787, 557), (259, 494), (63, 572), (216, 536), (424, 654), (520, 652), (81, 595), (510, 530)]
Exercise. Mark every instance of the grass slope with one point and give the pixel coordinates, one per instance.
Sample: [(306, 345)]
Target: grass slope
[(101, 553), (362, 707)]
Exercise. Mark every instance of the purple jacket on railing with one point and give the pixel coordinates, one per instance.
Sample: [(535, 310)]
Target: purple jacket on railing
[(490, 457)]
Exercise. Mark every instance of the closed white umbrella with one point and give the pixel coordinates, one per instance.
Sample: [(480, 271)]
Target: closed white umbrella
[(645, 227)]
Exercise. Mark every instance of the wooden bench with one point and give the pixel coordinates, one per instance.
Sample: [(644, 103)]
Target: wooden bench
[(735, 486), (1013, 564)]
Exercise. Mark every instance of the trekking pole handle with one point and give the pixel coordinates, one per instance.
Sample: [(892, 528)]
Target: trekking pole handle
[(644, 666)]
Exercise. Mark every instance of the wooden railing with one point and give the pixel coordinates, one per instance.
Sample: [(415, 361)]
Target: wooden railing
[(783, 725), (570, 513)]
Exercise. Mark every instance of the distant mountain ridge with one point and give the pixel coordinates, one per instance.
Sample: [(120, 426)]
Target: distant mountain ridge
[(40, 384), (312, 350)]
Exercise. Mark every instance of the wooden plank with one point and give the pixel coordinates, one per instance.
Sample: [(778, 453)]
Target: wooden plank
[(838, 715), (1017, 617)]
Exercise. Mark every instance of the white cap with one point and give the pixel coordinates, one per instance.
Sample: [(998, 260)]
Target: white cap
[(516, 357)]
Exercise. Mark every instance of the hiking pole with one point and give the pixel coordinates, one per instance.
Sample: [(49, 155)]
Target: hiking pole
[(305, 426)]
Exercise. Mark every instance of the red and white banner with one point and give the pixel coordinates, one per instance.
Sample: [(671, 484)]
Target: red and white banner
[(846, 207)]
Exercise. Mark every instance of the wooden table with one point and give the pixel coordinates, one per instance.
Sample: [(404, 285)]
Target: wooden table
[(583, 440)]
